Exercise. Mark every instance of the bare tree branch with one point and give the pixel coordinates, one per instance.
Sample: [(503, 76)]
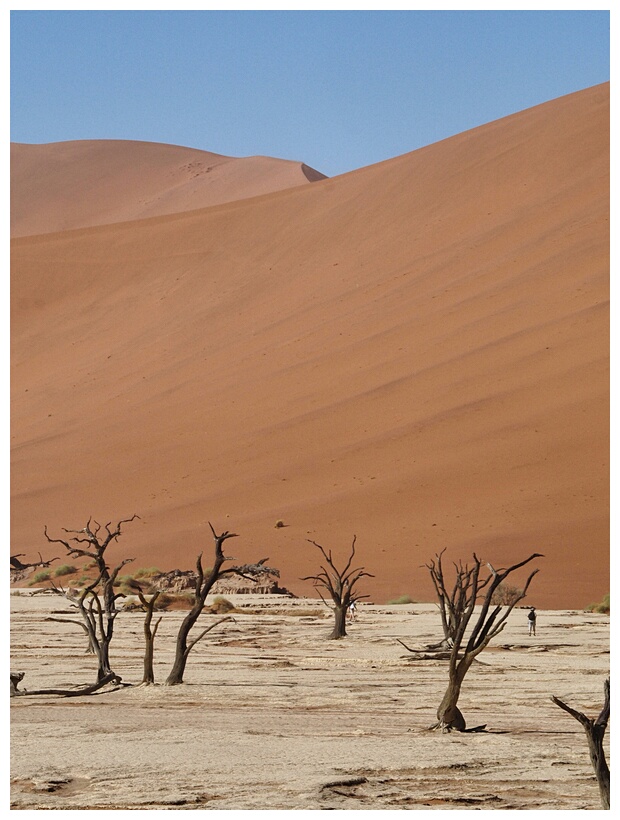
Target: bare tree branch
[(203, 586), (595, 732), (97, 601), (457, 609), (205, 631), (17, 564), (339, 584), (76, 693)]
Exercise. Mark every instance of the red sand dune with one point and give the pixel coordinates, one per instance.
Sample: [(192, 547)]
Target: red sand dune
[(416, 352), (78, 184)]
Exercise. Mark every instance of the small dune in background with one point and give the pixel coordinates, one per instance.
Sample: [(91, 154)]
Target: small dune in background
[(66, 185)]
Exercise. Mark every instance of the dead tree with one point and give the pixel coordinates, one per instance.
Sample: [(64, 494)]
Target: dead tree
[(148, 604), (457, 609), (204, 583), (451, 602), (83, 624), (339, 584), (19, 565), (20, 570), (97, 601), (595, 732)]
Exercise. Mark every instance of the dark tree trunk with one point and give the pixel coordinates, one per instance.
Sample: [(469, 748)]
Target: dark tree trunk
[(149, 649), (448, 713), (595, 732), (203, 586), (101, 644), (100, 611), (180, 659), (149, 634), (340, 622), (149, 637), (457, 608), (340, 585), (597, 756), (103, 656)]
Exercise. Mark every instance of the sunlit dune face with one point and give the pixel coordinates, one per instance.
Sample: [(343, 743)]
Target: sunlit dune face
[(415, 353)]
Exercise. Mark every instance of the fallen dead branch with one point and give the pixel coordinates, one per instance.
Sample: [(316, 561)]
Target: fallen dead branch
[(349, 781), (65, 693)]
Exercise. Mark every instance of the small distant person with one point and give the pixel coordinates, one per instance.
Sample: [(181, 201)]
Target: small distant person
[(352, 610), (531, 621)]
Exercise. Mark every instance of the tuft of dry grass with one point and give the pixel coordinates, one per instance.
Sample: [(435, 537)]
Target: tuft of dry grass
[(64, 569), (40, 577), (602, 608), (402, 599), (147, 572), (221, 605)]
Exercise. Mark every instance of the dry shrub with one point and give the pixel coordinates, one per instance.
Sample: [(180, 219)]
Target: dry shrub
[(402, 599), (83, 581), (506, 595), (147, 572), (221, 605), (178, 601), (602, 608), (64, 569), (39, 577)]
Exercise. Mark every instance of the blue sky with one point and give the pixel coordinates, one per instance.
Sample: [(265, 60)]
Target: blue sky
[(335, 89)]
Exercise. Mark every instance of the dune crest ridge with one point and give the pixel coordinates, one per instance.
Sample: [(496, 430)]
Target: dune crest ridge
[(416, 352), (68, 185)]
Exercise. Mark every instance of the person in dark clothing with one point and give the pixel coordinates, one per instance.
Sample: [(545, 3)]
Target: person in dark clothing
[(531, 621)]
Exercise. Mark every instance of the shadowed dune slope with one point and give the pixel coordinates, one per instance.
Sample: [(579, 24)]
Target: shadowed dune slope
[(66, 185), (416, 352)]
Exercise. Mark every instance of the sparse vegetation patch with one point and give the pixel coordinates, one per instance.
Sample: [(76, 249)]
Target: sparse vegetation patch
[(147, 572), (402, 599), (506, 595), (602, 607), (64, 569), (221, 604)]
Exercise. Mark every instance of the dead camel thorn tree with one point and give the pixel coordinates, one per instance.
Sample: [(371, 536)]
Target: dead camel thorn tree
[(97, 601), (204, 583), (457, 608), (74, 599), (18, 565), (340, 585), (148, 605), (595, 732)]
